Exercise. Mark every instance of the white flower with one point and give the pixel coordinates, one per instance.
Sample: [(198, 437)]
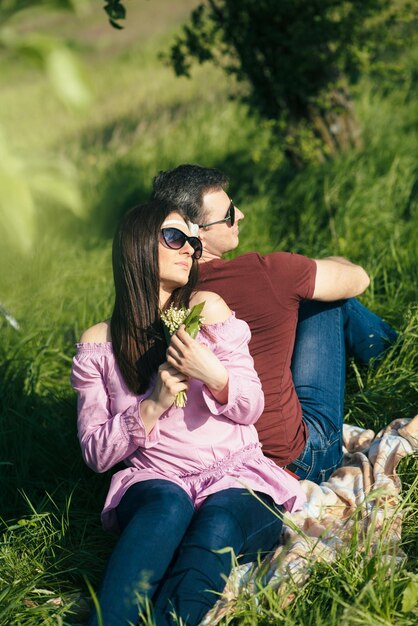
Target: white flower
[(172, 319)]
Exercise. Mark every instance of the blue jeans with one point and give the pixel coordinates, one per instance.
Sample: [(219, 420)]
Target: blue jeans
[(174, 555), (327, 333)]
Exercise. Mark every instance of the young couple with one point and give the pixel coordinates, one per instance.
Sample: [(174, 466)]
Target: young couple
[(185, 497)]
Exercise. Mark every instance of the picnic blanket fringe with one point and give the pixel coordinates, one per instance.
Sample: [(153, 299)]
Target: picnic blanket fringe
[(360, 502)]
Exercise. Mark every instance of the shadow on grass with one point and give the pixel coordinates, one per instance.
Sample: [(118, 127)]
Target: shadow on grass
[(122, 187), (40, 455), (42, 473)]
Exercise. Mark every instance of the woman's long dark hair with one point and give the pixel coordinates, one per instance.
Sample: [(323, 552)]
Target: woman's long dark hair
[(136, 329)]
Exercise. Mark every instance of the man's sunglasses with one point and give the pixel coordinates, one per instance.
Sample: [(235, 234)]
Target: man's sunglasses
[(176, 239), (229, 217)]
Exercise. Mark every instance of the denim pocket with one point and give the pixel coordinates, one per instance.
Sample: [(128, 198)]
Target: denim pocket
[(304, 461), (325, 462), (317, 464)]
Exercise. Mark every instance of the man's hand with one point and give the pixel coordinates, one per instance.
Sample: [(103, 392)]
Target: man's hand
[(338, 278)]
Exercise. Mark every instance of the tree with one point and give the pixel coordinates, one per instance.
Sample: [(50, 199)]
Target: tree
[(295, 60)]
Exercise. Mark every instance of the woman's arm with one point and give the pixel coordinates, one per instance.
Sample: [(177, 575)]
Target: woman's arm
[(196, 360), (105, 438), (226, 368)]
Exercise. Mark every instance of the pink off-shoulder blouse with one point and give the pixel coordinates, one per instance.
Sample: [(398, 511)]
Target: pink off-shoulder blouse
[(204, 447)]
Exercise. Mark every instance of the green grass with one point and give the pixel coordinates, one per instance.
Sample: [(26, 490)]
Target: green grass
[(143, 119)]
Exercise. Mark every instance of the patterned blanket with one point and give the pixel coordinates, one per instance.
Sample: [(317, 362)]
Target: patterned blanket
[(364, 491), (361, 497)]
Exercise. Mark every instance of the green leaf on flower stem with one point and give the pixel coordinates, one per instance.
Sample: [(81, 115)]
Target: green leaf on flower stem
[(192, 321)]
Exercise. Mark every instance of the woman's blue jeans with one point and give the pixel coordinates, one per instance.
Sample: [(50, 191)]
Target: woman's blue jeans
[(177, 557), (327, 333)]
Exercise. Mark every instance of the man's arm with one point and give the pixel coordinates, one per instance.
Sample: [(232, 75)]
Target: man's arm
[(338, 278)]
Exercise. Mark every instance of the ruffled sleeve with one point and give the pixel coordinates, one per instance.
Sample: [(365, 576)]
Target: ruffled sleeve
[(229, 341), (105, 438)]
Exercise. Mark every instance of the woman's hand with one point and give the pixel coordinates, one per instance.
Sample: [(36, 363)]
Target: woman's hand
[(170, 381), (196, 361), (168, 384)]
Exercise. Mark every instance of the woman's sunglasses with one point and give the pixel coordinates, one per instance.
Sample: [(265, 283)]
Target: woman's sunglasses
[(176, 239), (229, 217)]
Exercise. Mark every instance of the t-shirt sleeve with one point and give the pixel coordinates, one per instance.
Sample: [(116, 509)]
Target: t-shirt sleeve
[(229, 341), (292, 272), (105, 438)]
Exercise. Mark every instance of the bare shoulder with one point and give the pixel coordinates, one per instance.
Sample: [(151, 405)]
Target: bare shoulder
[(99, 333), (215, 309)]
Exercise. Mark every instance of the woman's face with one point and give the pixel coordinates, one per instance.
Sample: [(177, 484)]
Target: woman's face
[(174, 264)]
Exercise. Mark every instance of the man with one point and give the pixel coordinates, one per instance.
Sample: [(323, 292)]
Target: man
[(304, 321)]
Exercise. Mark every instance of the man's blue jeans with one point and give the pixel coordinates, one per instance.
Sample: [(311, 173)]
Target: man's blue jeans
[(178, 557), (327, 333)]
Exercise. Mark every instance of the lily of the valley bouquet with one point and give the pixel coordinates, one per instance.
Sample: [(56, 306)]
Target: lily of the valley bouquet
[(172, 319)]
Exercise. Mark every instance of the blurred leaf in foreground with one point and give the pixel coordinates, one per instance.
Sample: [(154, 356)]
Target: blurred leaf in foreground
[(25, 186), (66, 76), (25, 189), (17, 209)]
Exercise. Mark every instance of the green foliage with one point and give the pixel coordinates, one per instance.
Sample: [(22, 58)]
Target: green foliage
[(296, 60), (9, 8), (410, 594), (116, 11), (49, 52), (24, 186), (144, 119)]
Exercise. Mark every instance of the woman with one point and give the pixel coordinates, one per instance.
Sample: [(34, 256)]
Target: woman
[(182, 497)]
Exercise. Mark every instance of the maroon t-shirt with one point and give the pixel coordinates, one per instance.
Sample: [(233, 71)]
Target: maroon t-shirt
[(265, 291)]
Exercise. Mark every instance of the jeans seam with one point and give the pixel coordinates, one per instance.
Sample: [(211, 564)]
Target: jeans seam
[(264, 528), (222, 508), (341, 382)]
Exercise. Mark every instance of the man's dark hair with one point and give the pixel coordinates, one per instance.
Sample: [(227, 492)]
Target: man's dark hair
[(185, 185)]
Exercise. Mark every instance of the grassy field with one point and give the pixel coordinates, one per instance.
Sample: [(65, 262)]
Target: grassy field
[(143, 119)]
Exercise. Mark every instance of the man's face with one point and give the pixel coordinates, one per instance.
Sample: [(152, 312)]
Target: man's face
[(219, 238)]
